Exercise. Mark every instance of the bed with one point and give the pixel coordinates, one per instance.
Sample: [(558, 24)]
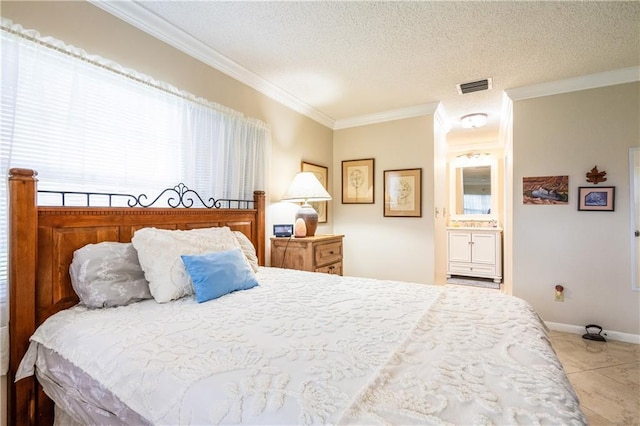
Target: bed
[(297, 348)]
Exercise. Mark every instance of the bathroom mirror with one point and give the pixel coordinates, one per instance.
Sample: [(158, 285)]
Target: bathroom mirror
[(475, 183), (473, 190)]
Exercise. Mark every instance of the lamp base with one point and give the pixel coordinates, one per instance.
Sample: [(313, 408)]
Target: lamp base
[(310, 217)]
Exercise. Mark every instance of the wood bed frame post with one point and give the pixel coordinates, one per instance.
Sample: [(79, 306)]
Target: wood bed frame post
[(259, 204), (23, 249)]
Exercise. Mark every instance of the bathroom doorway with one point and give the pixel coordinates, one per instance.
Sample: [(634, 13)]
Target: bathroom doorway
[(634, 202)]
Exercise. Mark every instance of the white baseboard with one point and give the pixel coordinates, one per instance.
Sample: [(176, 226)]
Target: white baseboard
[(608, 334)]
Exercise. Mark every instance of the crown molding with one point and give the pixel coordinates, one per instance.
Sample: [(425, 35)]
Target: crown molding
[(506, 120), (590, 81), (442, 118), (157, 27), (392, 115)]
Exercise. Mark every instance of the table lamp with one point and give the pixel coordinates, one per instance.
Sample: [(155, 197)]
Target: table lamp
[(304, 188)]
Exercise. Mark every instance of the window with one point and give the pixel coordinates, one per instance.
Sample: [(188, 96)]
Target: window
[(476, 204), (87, 124)]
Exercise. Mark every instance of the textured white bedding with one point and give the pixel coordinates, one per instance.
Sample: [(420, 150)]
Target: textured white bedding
[(306, 348)]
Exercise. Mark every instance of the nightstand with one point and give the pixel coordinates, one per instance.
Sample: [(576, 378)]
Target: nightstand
[(320, 253)]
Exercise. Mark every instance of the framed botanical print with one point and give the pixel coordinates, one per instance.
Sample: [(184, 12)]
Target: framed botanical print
[(322, 173), (357, 181), (403, 193)]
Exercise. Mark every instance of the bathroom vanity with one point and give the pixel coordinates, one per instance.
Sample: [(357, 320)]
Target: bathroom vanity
[(474, 252)]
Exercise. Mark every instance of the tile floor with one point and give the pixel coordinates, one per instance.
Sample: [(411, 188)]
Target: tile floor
[(606, 377)]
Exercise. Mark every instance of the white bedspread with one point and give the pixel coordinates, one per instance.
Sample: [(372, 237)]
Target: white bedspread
[(307, 348)]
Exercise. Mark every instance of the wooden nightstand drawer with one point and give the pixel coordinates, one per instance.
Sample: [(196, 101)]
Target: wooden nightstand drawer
[(334, 268), (321, 253), (328, 253)]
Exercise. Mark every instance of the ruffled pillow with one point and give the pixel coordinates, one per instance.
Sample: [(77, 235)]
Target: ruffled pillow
[(248, 249), (159, 252)]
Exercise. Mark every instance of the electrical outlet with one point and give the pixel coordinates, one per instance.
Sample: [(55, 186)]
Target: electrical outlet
[(559, 293)]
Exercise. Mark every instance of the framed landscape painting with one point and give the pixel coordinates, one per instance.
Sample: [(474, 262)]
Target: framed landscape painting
[(596, 199), (545, 190)]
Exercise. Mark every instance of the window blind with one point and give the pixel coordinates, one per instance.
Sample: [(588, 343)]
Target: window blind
[(87, 124)]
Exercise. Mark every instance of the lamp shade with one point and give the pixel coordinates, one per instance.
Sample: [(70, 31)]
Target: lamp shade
[(306, 187)]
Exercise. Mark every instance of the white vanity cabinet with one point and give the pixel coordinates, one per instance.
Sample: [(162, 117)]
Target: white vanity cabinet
[(474, 252)]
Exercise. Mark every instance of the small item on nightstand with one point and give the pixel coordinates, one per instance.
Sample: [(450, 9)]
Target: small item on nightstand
[(283, 230), (300, 228), (590, 335)]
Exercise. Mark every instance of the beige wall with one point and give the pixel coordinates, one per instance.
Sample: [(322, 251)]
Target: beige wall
[(399, 248), (294, 136), (587, 252)]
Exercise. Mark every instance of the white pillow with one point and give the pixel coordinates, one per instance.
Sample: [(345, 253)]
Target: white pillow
[(248, 249), (159, 252)]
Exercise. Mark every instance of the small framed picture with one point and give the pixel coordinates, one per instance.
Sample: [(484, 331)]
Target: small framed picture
[(322, 173), (403, 193), (597, 199), (357, 181)]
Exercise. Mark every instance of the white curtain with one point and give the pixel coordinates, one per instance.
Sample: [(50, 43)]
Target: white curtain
[(87, 124), (477, 204)]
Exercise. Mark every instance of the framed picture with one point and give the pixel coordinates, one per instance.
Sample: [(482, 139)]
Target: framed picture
[(403, 193), (596, 199), (545, 190), (357, 181), (322, 173)]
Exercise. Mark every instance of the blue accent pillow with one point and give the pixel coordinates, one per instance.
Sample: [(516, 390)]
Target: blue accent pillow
[(216, 274)]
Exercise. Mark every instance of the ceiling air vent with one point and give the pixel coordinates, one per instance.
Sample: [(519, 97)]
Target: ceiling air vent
[(474, 86)]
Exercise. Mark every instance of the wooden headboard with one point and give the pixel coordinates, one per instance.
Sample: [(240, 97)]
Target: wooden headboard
[(41, 245)]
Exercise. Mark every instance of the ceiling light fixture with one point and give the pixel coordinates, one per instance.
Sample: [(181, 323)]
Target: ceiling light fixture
[(473, 155), (471, 121)]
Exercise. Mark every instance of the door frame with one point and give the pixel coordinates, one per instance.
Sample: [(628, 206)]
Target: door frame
[(634, 200)]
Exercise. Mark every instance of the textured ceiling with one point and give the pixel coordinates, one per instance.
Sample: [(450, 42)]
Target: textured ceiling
[(348, 59)]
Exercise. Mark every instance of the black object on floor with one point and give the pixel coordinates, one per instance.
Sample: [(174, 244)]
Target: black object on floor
[(590, 335)]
